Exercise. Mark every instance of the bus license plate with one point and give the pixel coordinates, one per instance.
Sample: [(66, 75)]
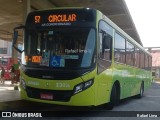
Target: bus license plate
[(46, 96)]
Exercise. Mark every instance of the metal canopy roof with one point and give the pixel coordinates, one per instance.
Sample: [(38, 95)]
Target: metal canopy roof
[(11, 13)]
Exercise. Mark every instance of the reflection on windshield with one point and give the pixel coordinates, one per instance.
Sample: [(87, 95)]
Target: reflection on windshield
[(67, 47)]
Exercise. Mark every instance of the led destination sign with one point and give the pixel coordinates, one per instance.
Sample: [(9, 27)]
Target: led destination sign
[(64, 17), (58, 18)]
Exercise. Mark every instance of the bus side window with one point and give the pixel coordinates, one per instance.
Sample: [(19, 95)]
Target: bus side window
[(106, 47), (119, 48)]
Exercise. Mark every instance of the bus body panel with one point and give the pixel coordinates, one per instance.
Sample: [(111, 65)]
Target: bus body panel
[(60, 85), (80, 99), (129, 77), (104, 83)]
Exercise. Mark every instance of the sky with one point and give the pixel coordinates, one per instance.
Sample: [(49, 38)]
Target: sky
[(146, 17)]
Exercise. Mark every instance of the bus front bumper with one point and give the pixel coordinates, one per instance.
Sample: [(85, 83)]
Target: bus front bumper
[(83, 98)]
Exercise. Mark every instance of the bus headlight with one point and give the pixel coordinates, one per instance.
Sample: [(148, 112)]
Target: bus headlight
[(23, 83), (80, 87)]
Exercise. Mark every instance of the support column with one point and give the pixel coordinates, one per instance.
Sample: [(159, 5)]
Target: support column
[(26, 9)]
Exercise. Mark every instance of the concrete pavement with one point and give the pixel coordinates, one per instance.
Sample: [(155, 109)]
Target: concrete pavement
[(8, 92), (150, 101)]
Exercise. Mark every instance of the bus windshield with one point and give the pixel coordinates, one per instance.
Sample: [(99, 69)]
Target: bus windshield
[(60, 48)]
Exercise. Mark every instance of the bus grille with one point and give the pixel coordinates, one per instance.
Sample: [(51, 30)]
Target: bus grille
[(58, 95), (54, 74)]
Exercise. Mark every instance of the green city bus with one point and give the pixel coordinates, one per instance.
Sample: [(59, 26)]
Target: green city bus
[(78, 57)]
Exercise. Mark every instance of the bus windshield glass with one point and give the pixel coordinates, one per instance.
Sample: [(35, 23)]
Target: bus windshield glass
[(60, 48)]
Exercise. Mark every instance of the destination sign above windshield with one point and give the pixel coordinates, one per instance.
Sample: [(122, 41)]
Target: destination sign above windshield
[(62, 18), (58, 18)]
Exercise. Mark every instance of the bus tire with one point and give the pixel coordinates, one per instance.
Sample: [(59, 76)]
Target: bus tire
[(113, 98), (140, 95)]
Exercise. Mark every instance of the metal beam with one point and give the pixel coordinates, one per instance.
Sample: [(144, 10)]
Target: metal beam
[(126, 27), (112, 13), (53, 3)]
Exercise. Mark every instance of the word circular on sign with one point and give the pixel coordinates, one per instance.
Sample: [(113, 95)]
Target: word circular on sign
[(62, 18)]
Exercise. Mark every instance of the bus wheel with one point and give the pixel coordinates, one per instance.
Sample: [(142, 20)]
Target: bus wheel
[(140, 95), (113, 98)]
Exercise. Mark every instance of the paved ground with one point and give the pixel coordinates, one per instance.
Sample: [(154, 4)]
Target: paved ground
[(8, 92), (150, 102)]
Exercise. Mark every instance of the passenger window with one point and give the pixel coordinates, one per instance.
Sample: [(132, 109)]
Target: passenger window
[(105, 46), (119, 48), (146, 62), (129, 54), (137, 57), (105, 35), (142, 62), (150, 62)]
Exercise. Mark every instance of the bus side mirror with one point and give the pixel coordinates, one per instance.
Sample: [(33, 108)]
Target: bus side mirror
[(15, 37)]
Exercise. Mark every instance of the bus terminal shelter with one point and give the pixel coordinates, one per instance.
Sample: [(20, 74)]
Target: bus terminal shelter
[(115, 10)]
